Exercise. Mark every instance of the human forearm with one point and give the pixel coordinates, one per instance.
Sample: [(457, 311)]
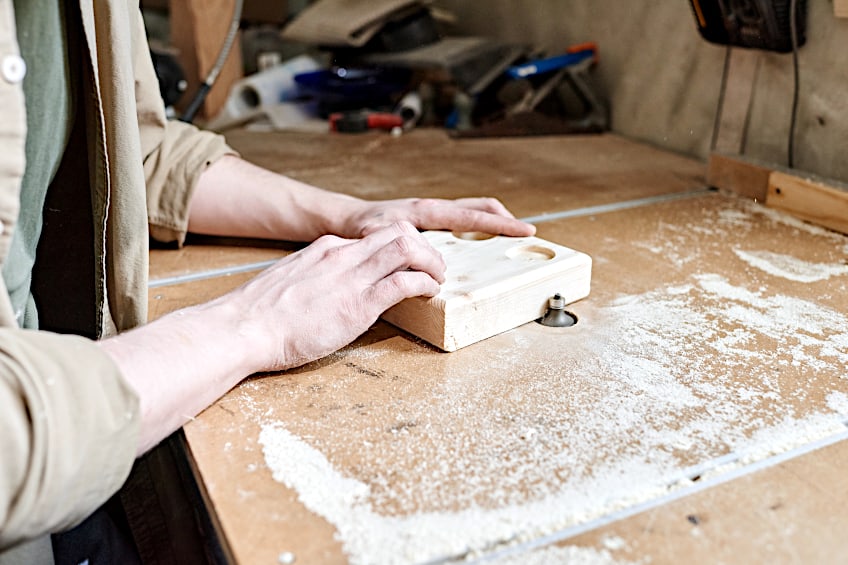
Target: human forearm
[(180, 364), (236, 198)]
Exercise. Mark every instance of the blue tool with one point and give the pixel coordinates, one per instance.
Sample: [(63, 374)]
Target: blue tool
[(542, 66)]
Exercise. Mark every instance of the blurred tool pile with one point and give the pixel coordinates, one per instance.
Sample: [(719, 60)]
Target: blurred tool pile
[(393, 65)]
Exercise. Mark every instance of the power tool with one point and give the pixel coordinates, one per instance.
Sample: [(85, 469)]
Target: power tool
[(757, 24)]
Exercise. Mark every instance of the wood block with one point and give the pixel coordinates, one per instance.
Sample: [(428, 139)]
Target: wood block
[(840, 8), (493, 284), (810, 200), (734, 173)]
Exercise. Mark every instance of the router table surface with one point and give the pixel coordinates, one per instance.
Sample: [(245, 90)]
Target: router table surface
[(696, 409)]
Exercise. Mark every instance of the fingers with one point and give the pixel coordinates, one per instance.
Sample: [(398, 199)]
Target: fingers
[(491, 205), (399, 286), (485, 215), (464, 214), (401, 248)]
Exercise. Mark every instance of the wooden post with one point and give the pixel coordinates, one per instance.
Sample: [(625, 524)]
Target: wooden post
[(198, 29)]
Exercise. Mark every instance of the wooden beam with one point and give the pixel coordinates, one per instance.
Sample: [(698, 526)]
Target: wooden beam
[(740, 175), (198, 29), (821, 203)]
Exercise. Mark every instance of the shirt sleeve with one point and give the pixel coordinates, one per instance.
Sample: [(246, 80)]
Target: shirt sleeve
[(175, 153), (71, 427)]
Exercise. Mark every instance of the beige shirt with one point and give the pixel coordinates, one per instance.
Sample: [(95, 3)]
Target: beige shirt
[(69, 420)]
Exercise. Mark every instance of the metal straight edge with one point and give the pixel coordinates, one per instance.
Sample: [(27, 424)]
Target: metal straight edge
[(211, 274), (576, 213), (616, 206)]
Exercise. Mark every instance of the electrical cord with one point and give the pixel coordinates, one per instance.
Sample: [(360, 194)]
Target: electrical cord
[(720, 104), (212, 76), (793, 32)]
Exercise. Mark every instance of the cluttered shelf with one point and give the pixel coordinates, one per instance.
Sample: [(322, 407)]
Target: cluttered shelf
[(712, 342)]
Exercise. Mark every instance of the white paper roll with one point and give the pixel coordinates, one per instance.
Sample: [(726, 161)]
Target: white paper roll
[(249, 96)]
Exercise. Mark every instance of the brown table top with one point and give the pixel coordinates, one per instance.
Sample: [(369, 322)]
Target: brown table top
[(677, 418)]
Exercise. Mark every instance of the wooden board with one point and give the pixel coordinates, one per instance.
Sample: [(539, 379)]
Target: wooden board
[(738, 174), (493, 284), (820, 201), (840, 8), (531, 175), (808, 199), (683, 299), (687, 351)]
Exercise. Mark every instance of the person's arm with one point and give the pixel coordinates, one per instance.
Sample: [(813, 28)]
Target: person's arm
[(306, 306), (236, 198)]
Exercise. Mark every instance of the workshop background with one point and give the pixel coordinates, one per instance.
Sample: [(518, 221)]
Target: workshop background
[(661, 80)]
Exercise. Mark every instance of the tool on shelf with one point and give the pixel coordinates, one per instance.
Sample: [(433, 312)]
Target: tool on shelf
[(528, 85), (360, 121)]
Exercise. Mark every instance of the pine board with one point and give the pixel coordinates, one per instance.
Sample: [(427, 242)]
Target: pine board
[(493, 284), (810, 200)]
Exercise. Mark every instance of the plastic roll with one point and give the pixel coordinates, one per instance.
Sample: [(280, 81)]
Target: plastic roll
[(409, 108), (251, 95)]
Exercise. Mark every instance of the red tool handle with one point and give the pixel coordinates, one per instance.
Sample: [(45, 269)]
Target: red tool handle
[(354, 122), (384, 121)]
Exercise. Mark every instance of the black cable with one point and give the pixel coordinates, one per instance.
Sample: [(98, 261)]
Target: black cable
[(720, 105), (793, 31)]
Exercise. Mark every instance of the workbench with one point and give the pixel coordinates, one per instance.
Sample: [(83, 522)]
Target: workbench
[(697, 410)]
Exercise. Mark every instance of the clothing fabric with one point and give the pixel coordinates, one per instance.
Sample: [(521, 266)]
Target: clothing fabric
[(47, 87), (69, 420)]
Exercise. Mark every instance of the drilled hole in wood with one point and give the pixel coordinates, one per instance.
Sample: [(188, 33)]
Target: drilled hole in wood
[(531, 253), (777, 190), (472, 235)]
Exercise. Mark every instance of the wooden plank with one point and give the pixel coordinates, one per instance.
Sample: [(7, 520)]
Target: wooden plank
[(198, 29), (660, 349), (811, 200), (740, 175), (840, 8), (494, 284), (531, 175)]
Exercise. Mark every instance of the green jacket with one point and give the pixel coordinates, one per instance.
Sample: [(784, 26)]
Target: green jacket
[(69, 421)]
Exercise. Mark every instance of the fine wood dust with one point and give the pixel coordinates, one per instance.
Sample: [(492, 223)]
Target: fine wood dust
[(458, 455), (491, 457)]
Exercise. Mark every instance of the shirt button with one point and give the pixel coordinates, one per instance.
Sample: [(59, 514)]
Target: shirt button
[(13, 69)]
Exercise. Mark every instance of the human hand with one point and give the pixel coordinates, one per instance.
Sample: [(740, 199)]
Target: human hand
[(321, 298), (485, 215)]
